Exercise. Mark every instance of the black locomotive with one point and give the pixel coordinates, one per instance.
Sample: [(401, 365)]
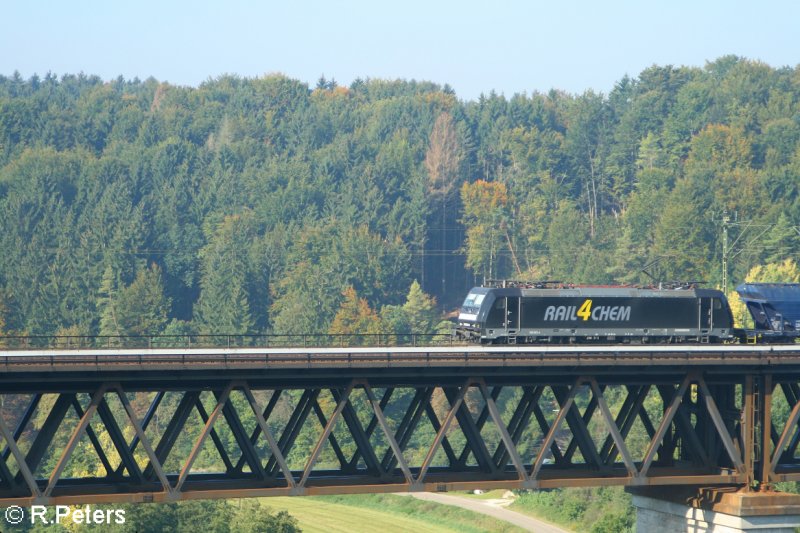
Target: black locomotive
[(549, 312)]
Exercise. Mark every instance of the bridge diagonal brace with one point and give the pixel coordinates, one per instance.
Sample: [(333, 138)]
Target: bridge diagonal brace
[(544, 427), (479, 423), (666, 421), (5, 473), (519, 422), (142, 438), (198, 445), (98, 448), (173, 430), (325, 434), (789, 429), (722, 429), (23, 422), (580, 432), (792, 394), (440, 434), (74, 439), (223, 453), (472, 434), (575, 442), (387, 432), (685, 430), (434, 420), (273, 401), (27, 475), (273, 444), (625, 418), (240, 436), (337, 450), (361, 439), (511, 447), (127, 460), (47, 432), (373, 424), (549, 439), (611, 424), (151, 412), (408, 424), (293, 427)]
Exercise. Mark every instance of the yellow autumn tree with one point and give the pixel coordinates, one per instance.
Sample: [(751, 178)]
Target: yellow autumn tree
[(356, 322), (484, 216)]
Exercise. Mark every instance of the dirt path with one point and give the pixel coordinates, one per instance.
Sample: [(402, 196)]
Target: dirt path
[(494, 508)]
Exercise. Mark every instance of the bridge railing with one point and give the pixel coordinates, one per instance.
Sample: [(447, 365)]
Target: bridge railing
[(78, 342)]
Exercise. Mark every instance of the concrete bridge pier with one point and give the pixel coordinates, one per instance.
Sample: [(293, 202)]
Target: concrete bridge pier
[(714, 510)]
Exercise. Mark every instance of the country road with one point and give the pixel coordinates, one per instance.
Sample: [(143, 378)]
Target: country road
[(493, 508)]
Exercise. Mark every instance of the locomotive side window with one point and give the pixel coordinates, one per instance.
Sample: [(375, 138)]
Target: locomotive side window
[(497, 315)]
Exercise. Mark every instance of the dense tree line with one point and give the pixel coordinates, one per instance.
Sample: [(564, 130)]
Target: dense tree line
[(265, 205)]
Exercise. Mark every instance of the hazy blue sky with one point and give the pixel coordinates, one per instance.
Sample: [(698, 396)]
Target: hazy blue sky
[(508, 46)]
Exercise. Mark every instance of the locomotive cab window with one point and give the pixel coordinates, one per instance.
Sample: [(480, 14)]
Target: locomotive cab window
[(472, 304), (474, 300)]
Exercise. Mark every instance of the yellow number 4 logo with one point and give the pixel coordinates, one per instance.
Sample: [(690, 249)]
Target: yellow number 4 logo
[(586, 310)]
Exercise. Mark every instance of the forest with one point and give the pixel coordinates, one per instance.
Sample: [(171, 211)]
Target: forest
[(269, 206), (133, 207)]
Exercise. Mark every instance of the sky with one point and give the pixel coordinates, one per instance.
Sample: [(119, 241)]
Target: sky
[(509, 46)]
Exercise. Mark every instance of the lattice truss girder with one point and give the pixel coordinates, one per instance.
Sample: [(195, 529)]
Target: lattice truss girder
[(109, 444)]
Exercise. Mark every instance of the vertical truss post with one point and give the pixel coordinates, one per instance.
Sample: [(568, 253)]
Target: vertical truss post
[(748, 428), (766, 433)]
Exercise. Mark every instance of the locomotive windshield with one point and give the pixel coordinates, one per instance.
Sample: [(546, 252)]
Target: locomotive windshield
[(472, 303)]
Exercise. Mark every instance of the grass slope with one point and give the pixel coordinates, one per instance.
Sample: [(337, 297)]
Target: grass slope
[(386, 513)]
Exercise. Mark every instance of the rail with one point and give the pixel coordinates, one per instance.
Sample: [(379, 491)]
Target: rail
[(78, 342), (51, 360)]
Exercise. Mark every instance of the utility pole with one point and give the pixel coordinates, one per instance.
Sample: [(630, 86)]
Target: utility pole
[(725, 220)]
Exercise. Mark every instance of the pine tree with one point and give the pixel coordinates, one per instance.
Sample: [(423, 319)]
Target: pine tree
[(420, 310), (106, 298), (224, 304), (142, 307)]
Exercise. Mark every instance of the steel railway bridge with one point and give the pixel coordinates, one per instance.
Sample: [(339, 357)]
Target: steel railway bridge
[(157, 424)]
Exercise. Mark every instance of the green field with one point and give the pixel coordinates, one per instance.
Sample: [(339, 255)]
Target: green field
[(386, 513)]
